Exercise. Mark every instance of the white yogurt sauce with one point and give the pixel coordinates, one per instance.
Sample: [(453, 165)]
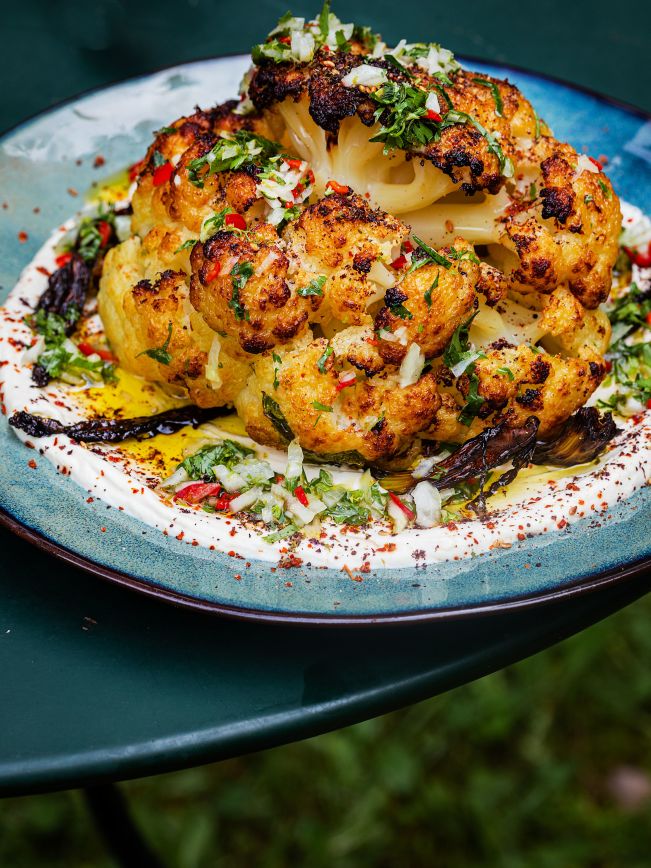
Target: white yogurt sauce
[(103, 472)]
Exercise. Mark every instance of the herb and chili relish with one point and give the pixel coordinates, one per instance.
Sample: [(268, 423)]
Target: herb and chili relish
[(60, 307), (411, 114)]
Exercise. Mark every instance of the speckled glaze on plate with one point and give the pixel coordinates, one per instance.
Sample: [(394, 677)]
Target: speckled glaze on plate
[(45, 160)]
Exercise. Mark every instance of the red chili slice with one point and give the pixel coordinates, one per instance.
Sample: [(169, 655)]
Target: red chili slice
[(286, 40), (411, 515), (212, 272), (643, 260), (198, 491), (343, 384), (89, 350), (224, 501), (105, 232), (162, 174), (407, 247), (648, 318), (301, 496), (292, 163), (399, 261), (597, 163), (63, 259), (433, 116), (235, 220), (336, 187)]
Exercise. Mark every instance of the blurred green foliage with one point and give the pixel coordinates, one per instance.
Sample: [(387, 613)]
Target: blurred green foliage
[(516, 770)]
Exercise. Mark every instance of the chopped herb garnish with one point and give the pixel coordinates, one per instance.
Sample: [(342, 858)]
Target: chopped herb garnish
[(533, 193), (240, 274), (473, 401), (187, 245), (458, 117), (588, 198), (278, 362), (536, 131), (506, 372), (431, 255), (460, 255), (314, 287), (497, 97), (605, 189), (165, 131), (275, 415), (158, 159), (201, 464), (319, 406), (160, 354), (321, 363), (428, 292), (231, 152)]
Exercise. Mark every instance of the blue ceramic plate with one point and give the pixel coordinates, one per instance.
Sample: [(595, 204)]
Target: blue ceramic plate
[(44, 159)]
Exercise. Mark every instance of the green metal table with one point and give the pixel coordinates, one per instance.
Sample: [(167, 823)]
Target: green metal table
[(101, 685)]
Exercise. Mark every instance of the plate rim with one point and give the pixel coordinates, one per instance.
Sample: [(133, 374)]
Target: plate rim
[(589, 583)]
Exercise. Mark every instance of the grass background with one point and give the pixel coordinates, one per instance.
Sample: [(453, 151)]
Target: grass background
[(542, 765)]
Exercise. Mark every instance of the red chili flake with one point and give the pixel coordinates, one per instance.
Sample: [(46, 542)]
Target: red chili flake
[(608, 364), (235, 220), (72, 192), (411, 515), (290, 561), (399, 262), (162, 174), (336, 187), (301, 496), (286, 40), (596, 163), (373, 341), (103, 529), (212, 272), (433, 116), (43, 270), (31, 463), (407, 247), (105, 232), (63, 259), (22, 236), (98, 161)]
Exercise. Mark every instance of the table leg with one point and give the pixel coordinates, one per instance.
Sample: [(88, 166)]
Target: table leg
[(110, 811)]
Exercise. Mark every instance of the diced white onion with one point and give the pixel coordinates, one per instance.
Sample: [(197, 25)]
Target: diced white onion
[(245, 500), (254, 470), (428, 504), (461, 366), (585, 164), (432, 103), (366, 75), (230, 480), (381, 275), (302, 46), (31, 355), (177, 478), (412, 366), (269, 259), (425, 465), (123, 226)]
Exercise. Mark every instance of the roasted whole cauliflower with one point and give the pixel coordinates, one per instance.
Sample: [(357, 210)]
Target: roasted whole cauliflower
[(372, 248)]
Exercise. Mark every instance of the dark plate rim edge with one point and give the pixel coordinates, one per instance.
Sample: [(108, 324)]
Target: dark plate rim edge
[(577, 587), (582, 585)]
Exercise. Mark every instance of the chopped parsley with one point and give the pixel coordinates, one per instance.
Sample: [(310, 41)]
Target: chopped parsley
[(158, 159), (187, 245), (160, 354), (321, 363), (460, 255), (431, 255), (506, 372), (277, 363), (60, 357), (200, 464), (460, 358), (497, 96), (314, 287), (240, 274), (275, 415), (605, 189), (323, 407), (231, 152), (428, 292)]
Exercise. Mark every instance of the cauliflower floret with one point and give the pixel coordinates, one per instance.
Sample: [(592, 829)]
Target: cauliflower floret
[(343, 239), (428, 304), (516, 383), (240, 286), (299, 392), (142, 314)]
